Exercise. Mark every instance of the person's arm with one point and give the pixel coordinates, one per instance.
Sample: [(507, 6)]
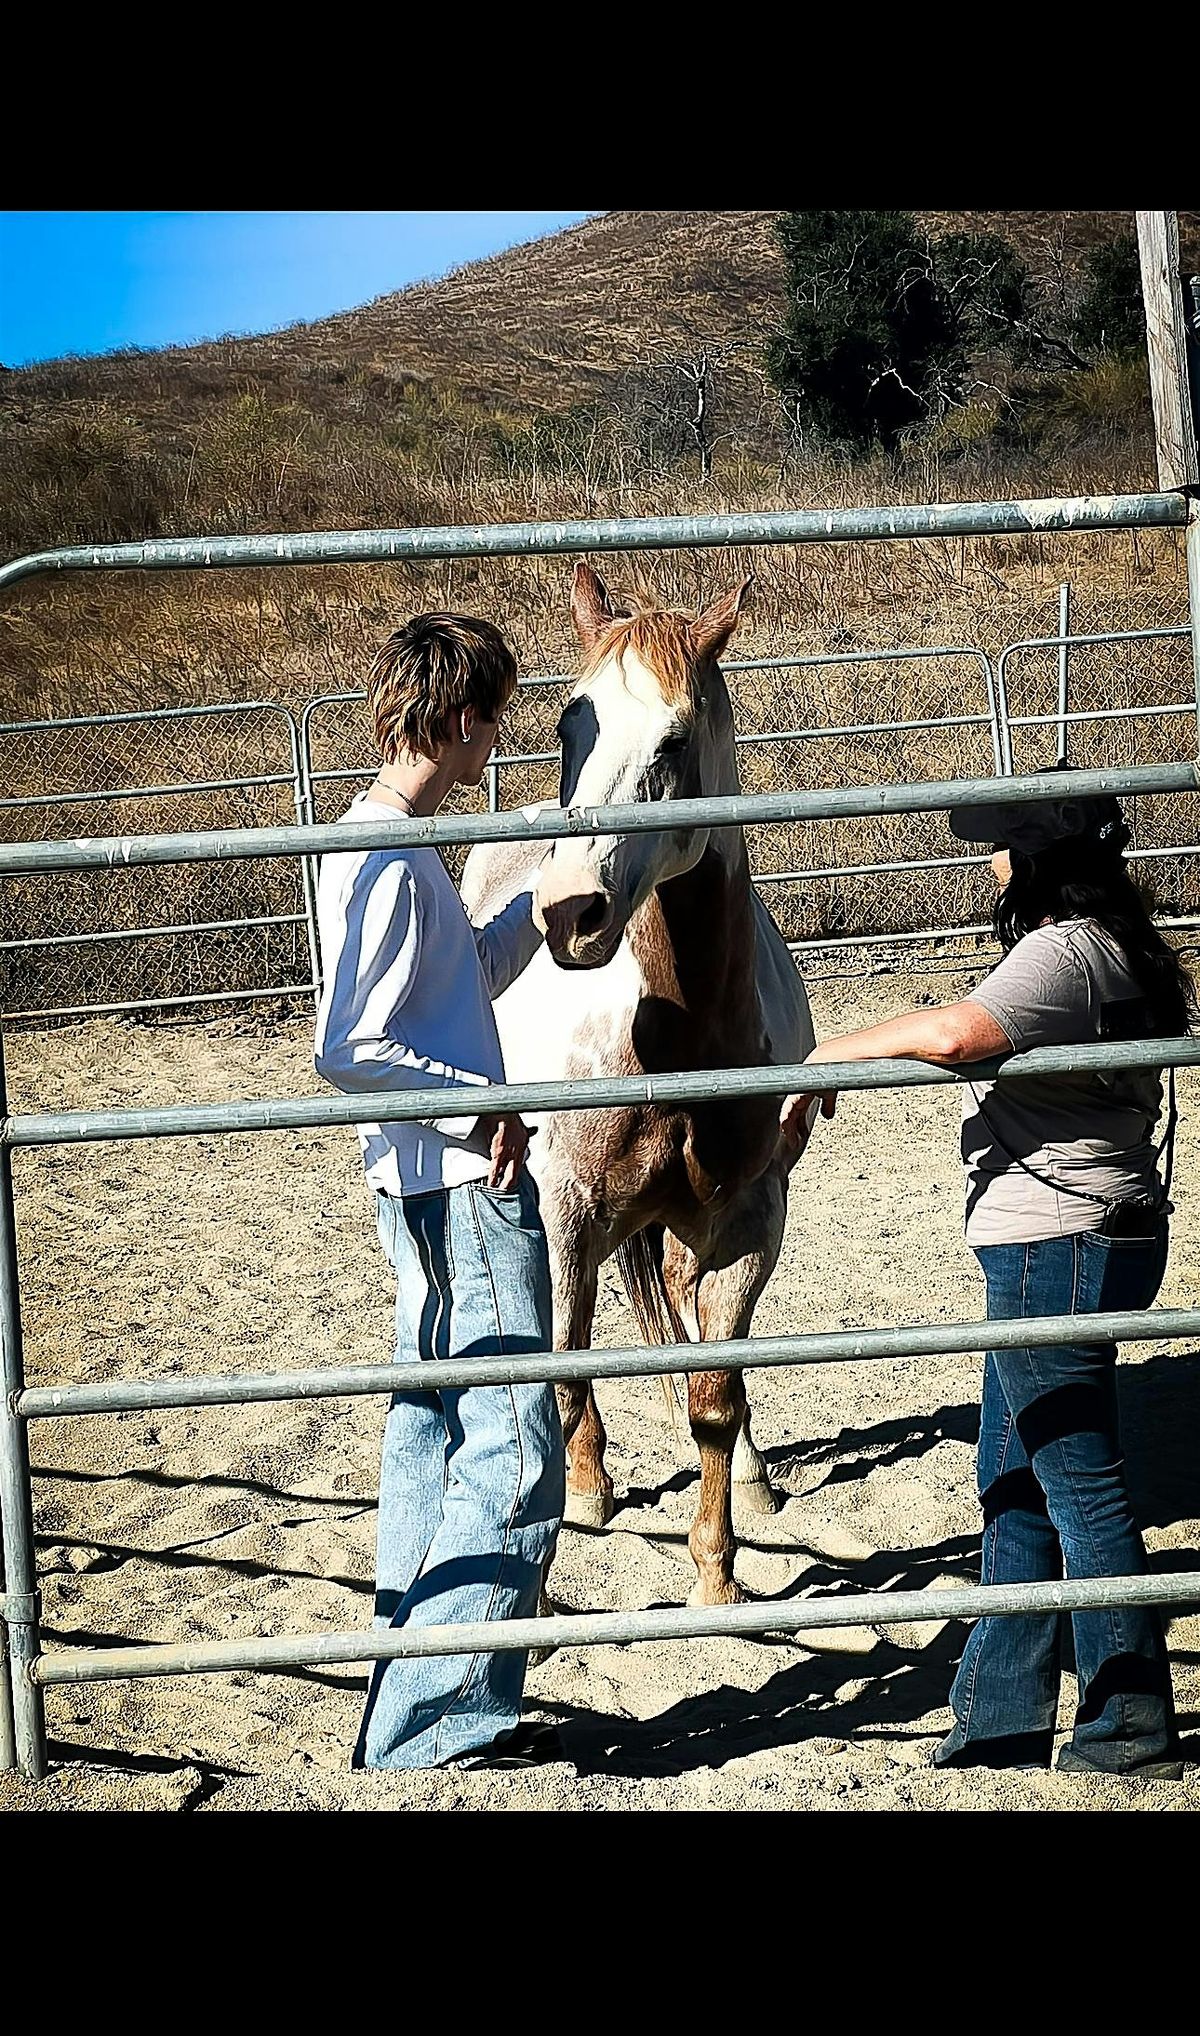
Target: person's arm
[(508, 943), (360, 1042), (949, 1036)]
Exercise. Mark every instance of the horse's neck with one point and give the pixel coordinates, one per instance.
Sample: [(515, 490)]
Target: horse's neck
[(696, 948)]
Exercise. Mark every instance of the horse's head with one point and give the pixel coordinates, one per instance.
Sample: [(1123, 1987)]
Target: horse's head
[(649, 720)]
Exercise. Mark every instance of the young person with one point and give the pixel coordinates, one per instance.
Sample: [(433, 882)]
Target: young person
[(1067, 1216), (471, 1483)]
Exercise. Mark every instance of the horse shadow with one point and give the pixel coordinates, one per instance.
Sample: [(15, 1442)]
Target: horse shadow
[(887, 1693), (853, 1452)]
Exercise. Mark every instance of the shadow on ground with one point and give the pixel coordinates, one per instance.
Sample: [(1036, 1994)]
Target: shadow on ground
[(884, 1694)]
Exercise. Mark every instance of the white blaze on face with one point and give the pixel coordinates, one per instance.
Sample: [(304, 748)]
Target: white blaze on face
[(613, 730)]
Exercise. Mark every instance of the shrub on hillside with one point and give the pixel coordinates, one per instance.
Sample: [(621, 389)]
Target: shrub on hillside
[(881, 320), (1110, 316), (1094, 409), (890, 332)]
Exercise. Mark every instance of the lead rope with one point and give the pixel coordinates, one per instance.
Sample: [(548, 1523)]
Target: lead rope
[(1166, 1145)]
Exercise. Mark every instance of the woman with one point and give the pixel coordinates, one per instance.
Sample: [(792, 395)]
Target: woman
[(1067, 1215)]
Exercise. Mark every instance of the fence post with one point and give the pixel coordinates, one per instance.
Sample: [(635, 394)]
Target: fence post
[(1193, 574), (1175, 442), (302, 796), (1064, 630), (16, 1496), (8, 1744)]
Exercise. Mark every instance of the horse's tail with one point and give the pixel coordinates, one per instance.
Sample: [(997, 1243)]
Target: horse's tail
[(640, 1262)]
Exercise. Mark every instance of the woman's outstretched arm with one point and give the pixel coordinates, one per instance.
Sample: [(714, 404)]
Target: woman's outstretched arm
[(947, 1036)]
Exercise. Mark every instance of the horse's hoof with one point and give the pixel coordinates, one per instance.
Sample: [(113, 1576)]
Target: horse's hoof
[(588, 1509), (755, 1497), (731, 1593)]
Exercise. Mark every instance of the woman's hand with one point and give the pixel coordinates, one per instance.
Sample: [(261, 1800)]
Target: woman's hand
[(947, 1036), (799, 1114)]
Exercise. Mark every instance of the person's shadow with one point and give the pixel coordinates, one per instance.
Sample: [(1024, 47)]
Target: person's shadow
[(1160, 1427)]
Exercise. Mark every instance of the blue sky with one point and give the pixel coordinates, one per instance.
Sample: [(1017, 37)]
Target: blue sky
[(82, 282)]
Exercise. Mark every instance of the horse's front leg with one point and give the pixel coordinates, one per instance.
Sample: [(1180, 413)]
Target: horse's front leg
[(716, 1412), (732, 1274), (760, 1232), (574, 1266), (716, 1416), (751, 1485), (589, 1501)]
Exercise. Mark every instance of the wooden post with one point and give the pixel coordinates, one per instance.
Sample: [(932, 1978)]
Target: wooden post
[(1166, 344)]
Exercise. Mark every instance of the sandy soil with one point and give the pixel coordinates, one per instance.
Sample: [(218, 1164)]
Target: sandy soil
[(168, 1257)]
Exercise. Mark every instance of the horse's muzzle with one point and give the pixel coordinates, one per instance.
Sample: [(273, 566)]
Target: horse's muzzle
[(582, 932)]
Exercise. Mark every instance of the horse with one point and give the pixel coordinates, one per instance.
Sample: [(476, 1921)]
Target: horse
[(659, 955)]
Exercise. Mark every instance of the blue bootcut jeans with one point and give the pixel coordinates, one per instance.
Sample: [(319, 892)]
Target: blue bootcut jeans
[(1054, 1494), (472, 1480)]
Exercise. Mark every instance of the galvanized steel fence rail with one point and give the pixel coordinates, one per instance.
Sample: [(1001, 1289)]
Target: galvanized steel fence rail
[(209, 953), (646, 533), (31, 1669)]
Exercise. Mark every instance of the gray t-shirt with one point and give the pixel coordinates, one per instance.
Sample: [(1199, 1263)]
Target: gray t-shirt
[(1061, 985)]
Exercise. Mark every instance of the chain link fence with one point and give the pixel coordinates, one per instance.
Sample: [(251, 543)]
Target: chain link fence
[(1138, 689), (149, 940), (833, 718), (847, 711)]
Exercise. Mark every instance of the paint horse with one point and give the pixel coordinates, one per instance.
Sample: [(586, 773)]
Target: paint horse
[(660, 955)]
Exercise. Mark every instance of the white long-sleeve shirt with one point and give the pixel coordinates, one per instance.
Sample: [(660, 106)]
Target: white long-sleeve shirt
[(407, 1001)]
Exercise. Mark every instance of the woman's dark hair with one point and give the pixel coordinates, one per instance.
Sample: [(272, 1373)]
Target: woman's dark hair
[(1087, 879)]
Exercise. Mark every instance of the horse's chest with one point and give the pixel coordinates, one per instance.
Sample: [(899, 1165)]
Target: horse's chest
[(578, 1025), (673, 1163)]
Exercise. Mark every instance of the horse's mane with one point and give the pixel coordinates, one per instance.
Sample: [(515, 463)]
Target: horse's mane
[(661, 639)]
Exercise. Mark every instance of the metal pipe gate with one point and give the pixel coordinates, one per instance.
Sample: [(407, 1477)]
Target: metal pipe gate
[(306, 781), (285, 978), (22, 1732)]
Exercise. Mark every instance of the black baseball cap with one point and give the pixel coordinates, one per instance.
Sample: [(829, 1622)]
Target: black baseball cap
[(1030, 829)]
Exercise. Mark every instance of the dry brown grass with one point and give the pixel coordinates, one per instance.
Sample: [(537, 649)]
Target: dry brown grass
[(495, 396)]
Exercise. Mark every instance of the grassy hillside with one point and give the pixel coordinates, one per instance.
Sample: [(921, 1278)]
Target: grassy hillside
[(523, 386), (526, 387)]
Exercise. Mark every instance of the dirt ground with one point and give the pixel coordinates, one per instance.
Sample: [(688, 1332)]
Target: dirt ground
[(177, 1256)]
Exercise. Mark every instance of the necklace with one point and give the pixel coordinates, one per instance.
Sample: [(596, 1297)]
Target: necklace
[(395, 793)]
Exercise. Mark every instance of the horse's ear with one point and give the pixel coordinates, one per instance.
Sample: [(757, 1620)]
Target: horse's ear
[(591, 607), (713, 629)]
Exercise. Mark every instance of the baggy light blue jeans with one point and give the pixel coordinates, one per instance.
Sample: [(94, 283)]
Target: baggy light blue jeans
[(472, 1481), (1055, 1499)]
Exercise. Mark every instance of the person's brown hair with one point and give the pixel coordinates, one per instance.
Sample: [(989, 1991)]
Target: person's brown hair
[(430, 670)]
